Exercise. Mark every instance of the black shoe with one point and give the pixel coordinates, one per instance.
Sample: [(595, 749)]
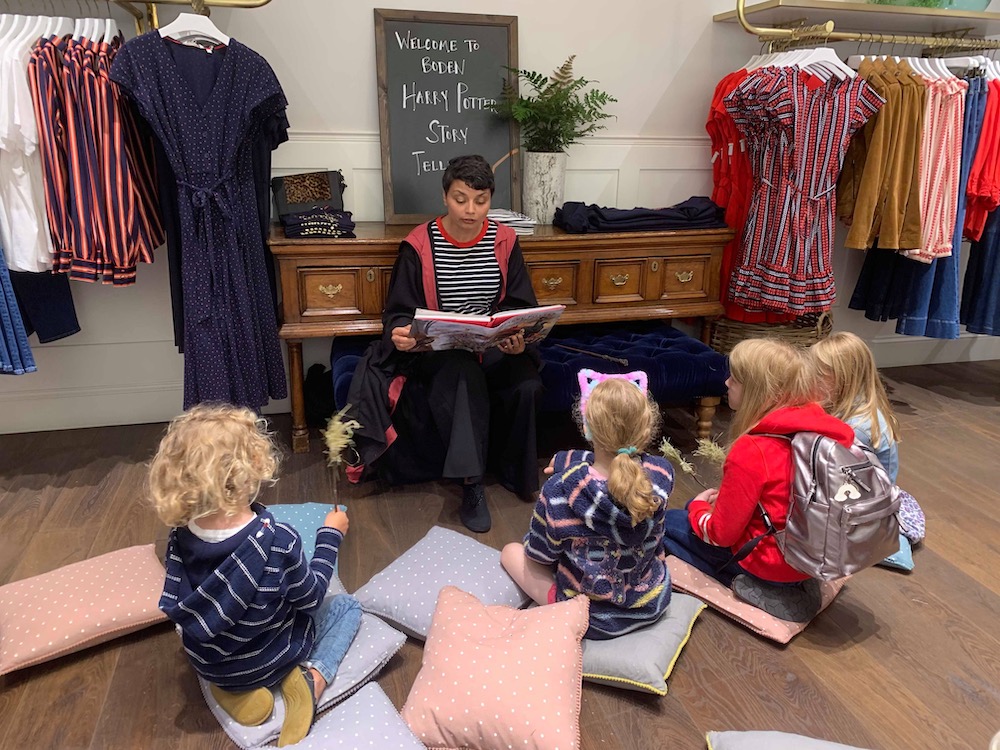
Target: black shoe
[(475, 513), (797, 603)]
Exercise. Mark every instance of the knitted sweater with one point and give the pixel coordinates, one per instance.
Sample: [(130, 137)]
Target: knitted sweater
[(621, 568), (243, 604)]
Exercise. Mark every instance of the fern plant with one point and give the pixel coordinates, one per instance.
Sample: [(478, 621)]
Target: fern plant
[(558, 112)]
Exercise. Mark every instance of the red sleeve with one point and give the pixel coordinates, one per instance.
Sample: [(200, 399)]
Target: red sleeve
[(742, 487)]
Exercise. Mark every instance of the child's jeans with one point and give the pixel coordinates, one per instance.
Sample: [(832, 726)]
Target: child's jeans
[(337, 622), (680, 541)]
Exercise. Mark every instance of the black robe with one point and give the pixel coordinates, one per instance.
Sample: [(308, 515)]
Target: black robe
[(449, 413)]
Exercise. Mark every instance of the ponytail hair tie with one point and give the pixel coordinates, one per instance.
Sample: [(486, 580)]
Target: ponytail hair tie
[(630, 451)]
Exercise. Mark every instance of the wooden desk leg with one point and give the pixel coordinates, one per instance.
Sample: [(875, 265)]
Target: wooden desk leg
[(706, 411), (300, 432), (706, 330)]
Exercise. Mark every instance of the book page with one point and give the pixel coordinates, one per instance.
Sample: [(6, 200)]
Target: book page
[(439, 335)]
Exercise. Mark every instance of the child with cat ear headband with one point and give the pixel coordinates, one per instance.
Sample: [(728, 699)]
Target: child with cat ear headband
[(597, 529)]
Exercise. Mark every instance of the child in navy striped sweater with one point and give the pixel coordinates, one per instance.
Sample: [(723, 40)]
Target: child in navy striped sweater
[(248, 604), (597, 529)]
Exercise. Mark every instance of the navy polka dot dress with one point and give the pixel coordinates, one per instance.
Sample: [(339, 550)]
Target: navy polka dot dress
[(206, 109)]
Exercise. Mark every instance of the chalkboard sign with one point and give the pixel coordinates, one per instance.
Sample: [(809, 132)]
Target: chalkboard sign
[(438, 74)]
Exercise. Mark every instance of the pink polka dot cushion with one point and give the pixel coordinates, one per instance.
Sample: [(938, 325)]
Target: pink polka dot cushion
[(496, 677), (689, 579), (79, 605)]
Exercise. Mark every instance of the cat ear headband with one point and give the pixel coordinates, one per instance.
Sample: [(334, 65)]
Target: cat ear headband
[(589, 380)]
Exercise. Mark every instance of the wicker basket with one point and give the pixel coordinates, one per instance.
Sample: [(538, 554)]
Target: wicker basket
[(804, 331)]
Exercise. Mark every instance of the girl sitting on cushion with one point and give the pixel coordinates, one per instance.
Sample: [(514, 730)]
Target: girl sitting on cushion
[(597, 529), (854, 392), (773, 394), (249, 606)]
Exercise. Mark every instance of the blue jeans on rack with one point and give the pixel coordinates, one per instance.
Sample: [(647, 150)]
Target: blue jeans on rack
[(15, 353), (932, 301), (337, 622)]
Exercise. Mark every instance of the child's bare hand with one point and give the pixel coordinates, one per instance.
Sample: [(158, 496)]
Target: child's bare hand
[(709, 496), (551, 468), (337, 519)]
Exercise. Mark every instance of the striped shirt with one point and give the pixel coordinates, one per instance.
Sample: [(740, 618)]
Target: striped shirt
[(99, 169), (621, 568), (467, 273), (243, 604)]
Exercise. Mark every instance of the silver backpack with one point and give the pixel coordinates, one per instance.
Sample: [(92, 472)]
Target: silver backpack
[(842, 516)]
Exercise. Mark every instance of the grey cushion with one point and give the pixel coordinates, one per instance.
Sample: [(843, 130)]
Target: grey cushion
[(371, 649), (406, 591), (769, 741), (365, 720), (643, 659)]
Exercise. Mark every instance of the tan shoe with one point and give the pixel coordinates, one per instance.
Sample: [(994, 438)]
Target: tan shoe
[(300, 706), (251, 708)]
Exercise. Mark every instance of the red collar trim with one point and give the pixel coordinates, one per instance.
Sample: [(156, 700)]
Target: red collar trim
[(456, 243)]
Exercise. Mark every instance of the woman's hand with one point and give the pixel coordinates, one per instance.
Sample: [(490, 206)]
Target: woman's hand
[(513, 344), (402, 339)]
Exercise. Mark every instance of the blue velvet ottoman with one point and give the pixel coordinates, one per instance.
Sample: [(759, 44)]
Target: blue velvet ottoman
[(680, 368)]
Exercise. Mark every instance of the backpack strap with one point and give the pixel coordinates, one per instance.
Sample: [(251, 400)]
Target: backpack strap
[(750, 544)]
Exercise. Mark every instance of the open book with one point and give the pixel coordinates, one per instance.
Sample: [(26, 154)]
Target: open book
[(439, 330)]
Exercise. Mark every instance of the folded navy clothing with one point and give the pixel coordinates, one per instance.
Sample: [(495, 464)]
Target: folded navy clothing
[(694, 213), (323, 221)]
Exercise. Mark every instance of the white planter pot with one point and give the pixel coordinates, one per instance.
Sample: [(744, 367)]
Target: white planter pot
[(544, 183)]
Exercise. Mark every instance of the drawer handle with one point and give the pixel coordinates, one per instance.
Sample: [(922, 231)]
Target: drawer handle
[(330, 290), (684, 276), (620, 279), (552, 282)]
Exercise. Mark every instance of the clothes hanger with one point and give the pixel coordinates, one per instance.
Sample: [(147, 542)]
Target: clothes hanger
[(828, 57), (96, 29), (18, 23), (64, 27), (192, 25)]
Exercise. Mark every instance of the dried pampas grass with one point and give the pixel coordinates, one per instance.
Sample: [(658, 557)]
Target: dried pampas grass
[(711, 451), (339, 436)]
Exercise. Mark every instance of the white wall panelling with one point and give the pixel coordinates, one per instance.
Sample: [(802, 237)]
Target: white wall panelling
[(661, 60)]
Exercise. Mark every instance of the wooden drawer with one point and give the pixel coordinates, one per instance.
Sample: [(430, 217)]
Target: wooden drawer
[(685, 277), (618, 281), (554, 283), (330, 292)]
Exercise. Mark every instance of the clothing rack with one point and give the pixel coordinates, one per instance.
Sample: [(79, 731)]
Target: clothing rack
[(148, 18), (785, 38)]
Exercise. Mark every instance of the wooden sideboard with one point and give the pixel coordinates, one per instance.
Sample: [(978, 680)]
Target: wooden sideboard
[(335, 287)]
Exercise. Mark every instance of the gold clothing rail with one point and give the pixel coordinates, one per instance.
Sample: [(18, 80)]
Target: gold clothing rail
[(782, 37)]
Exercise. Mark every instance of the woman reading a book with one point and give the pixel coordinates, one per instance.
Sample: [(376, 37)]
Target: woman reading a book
[(432, 414)]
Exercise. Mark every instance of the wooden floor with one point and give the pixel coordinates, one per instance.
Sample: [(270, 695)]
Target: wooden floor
[(898, 662)]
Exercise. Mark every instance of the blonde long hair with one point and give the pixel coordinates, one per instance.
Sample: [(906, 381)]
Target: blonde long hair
[(213, 457), (774, 374), (621, 417), (845, 368)]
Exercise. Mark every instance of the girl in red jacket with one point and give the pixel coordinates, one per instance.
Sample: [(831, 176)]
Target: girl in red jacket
[(772, 392)]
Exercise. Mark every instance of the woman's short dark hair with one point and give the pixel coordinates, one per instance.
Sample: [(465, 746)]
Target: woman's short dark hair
[(473, 170)]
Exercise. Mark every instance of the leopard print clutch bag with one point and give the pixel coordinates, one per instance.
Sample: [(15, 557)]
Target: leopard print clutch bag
[(296, 193)]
